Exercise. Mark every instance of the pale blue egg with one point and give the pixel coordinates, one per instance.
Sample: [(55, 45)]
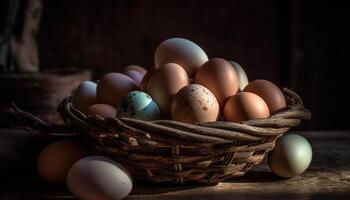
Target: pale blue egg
[(138, 105)]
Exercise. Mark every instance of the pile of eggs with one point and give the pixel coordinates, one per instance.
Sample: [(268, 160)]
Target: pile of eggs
[(184, 85)]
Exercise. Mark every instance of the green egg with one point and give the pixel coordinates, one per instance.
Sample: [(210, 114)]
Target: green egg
[(138, 105), (291, 156)]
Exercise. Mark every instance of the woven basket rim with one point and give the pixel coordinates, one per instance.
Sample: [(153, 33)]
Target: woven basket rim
[(167, 150), (250, 130)]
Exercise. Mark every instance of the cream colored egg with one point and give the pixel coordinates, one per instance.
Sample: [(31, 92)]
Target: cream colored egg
[(99, 178), (84, 96), (181, 51), (291, 156), (241, 75)]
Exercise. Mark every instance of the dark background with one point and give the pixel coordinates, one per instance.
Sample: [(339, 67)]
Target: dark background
[(297, 44)]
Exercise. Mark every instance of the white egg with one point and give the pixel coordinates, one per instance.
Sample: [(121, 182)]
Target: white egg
[(99, 178), (241, 74), (84, 96), (181, 51)]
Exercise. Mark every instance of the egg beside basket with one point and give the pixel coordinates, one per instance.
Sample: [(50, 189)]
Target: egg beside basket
[(176, 152)]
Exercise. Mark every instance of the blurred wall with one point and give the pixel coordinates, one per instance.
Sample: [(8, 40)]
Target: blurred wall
[(292, 43)]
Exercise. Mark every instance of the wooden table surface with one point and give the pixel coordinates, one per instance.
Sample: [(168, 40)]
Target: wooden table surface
[(328, 177)]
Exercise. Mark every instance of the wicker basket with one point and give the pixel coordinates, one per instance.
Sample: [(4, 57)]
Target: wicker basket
[(170, 151)]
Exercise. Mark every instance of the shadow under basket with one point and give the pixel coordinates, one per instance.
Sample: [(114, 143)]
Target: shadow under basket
[(170, 151)]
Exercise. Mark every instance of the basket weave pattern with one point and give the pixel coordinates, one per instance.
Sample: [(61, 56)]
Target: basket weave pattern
[(171, 151)]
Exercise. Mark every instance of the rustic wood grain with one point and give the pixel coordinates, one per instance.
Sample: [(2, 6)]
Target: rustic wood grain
[(327, 178)]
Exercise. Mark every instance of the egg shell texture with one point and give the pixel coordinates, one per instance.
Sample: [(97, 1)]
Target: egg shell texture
[(102, 110), (138, 105), (241, 75), (181, 51), (137, 68), (245, 106), (268, 91), (146, 78), (166, 82), (194, 104), (112, 88), (99, 178), (291, 156), (56, 159), (84, 96), (135, 75), (219, 77)]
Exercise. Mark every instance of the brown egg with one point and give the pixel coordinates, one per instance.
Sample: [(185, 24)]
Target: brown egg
[(135, 75), (137, 68), (219, 77), (112, 88), (194, 104), (56, 159), (146, 78), (102, 110), (181, 51), (166, 82), (245, 106), (268, 91)]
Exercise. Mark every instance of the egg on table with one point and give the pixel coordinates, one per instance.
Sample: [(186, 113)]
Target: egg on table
[(245, 106), (194, 104), (99, 178), (84, 96), (112, 88), (291, 156), (165, 83), (102, 110), (268, 91), (57, 158), (219, 77), (138, 105), (181, 51), (241, 75)]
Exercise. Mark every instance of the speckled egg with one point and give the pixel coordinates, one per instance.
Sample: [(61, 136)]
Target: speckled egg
[(138, 105), (194, 104)]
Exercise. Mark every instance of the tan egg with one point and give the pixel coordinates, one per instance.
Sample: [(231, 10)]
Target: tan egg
[(112, 88), (165, 83), (102, 110), (146, 78), (219, 77), (137, 68), (245, 106), (56, 159), (194, 104), (268, 91), (181, 51)]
